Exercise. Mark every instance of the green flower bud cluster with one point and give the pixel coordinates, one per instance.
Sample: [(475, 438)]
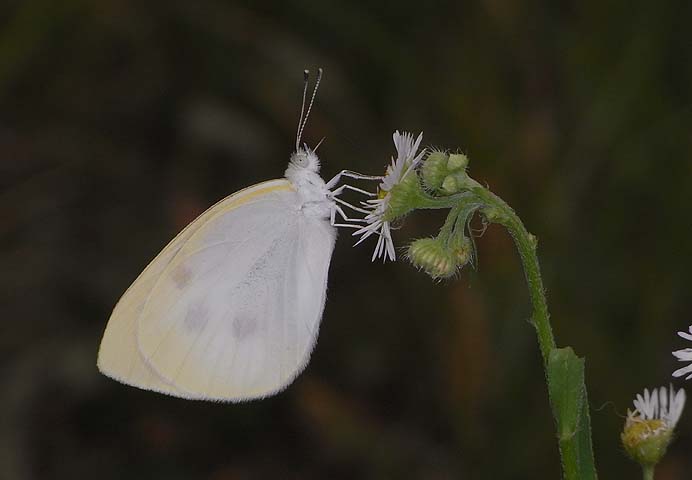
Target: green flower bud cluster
[(444, 173)]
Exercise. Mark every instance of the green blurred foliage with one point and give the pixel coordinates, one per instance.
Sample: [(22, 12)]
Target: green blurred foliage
[(122, 120)]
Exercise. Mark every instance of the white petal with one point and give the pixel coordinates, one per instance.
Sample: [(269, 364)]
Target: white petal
[(683, 371), (378, 247), (686, 336), (663, 402), (677, 404), (365, 235), (684, 355), (416, 144), (388, 241), (642, 404)]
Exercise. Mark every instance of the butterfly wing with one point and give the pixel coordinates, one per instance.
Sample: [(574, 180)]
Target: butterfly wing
[(119, 356), (234, 314)]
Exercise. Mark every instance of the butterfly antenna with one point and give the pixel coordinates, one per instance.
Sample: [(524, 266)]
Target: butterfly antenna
[(306, 76), (318, 145), (312, 100)]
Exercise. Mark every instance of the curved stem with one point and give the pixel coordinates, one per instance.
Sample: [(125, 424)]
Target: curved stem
[(564, 371), (500, 212), (575, 448), (451, 201)]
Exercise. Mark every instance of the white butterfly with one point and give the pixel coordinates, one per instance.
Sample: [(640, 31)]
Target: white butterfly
[(231, 307)]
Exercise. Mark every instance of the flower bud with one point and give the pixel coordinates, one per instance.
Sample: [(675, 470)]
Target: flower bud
[(450, 184), (434, 170), (455, 182), (438, 258), (457, 161), (432, 256)]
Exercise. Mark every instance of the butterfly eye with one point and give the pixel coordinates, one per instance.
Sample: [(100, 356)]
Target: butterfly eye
[(301, 160)]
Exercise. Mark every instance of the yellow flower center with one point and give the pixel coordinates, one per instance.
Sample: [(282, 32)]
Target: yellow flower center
[(638, 430)]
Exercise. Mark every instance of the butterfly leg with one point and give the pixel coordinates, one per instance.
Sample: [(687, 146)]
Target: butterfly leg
[(337, 209), (338, 191), (348, 173), (352, 207)]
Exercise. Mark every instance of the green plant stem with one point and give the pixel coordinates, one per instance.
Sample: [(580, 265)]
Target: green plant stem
[(575, 442), (427, 202), (648, 472), (567, 394), (526, 245)]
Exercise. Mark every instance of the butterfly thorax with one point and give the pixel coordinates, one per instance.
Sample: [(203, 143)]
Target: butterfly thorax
[(303, 174)]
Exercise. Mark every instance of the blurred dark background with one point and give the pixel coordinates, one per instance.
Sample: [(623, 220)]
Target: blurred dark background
[(120, 121)]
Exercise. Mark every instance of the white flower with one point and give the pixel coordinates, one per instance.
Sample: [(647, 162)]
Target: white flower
[(649, 428), (662, 404), (684, 355), (406, 161)]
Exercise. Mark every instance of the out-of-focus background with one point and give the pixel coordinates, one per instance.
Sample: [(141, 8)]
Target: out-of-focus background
[(120, 121)]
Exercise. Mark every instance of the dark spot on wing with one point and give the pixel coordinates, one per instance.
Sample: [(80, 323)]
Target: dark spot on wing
[(243, 326), (196, 318), (181, 276)]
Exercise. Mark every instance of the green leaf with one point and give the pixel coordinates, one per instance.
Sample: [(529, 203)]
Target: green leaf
[(587, 465), (566, 386), (571, 410)]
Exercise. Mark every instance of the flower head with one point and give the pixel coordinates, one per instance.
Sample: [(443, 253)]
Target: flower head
[(684, 355), (378, 221), (649, 428)]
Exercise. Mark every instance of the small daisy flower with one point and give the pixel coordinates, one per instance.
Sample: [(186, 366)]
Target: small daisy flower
[(649, 428), (407, 159), (684, 355)]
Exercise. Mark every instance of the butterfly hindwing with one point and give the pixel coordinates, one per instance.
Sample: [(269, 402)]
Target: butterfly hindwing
[(235, 314), (119, 356)]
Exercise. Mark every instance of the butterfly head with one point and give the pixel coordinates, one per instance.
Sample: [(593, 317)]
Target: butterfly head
[(304, 159), (304, 163)]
